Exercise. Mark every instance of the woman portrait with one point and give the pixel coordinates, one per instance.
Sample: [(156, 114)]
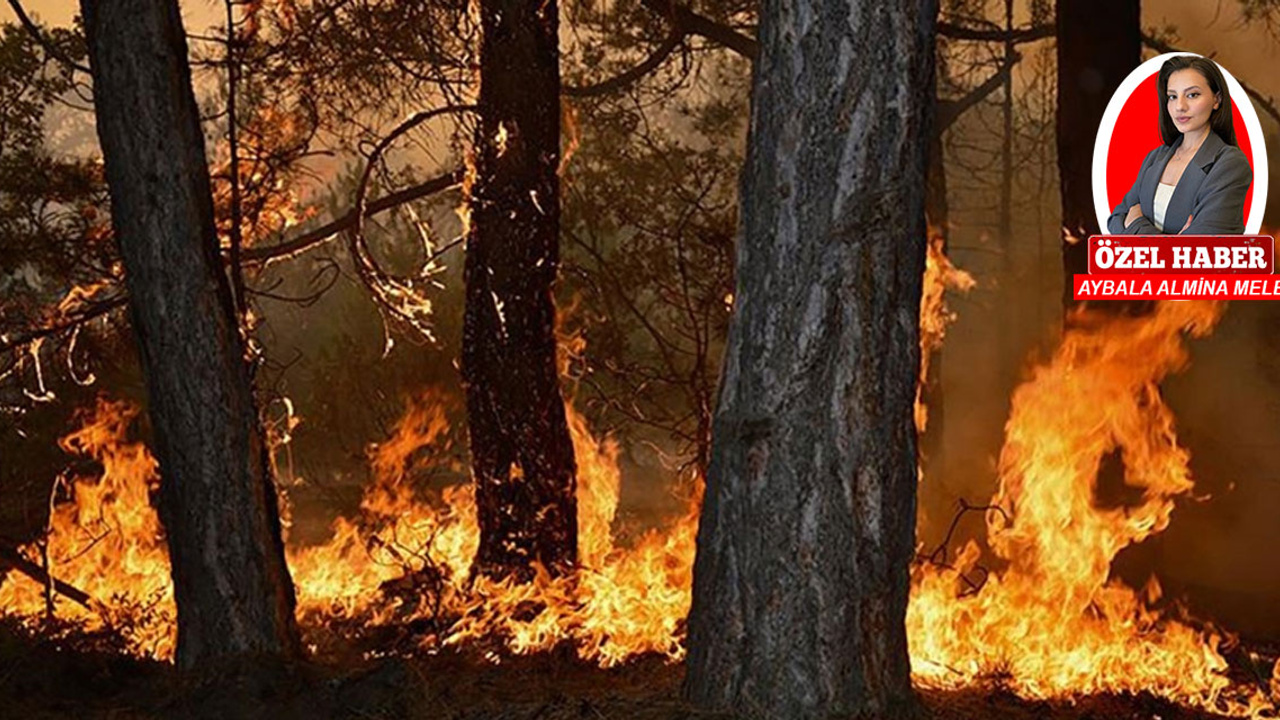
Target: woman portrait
[(1196, 182)]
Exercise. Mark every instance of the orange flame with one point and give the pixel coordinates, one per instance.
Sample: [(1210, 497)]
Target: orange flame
[(1051, 623), (1048, 622), (107, 541), (940, 275), (626, 600)]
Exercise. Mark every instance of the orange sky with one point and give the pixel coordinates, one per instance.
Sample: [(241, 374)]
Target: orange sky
[(60, 12)]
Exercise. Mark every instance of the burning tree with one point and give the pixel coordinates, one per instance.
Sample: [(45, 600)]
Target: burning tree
[(801, 576), (522, 457), (217, 501)]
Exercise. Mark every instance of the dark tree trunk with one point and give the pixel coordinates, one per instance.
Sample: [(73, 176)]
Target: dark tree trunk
[(937, 212), (801, 578), (1099, 44), (1006, 156), (217, 501), (522, 456), (1007, 328)]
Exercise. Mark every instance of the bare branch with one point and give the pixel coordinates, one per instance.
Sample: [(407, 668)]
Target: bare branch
[(9, 556), (950, 110), (263, 255), (689, 22), (386, 288), (620, 82), (1268, 104), (71, 323), (1017, 36)]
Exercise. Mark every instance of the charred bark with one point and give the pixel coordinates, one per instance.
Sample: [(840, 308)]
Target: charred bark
[(1099, 44), (801, 577), (521, 453), (217, 501)]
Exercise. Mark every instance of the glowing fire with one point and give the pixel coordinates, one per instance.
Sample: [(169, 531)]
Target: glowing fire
[(626, 600), (404, 558), (105, 541), (1046, 622), (1049, 622), (940, 275)]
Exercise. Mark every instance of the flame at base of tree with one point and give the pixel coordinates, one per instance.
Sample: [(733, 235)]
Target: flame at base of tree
[(1049, 622), (403, 559), (624, 601)]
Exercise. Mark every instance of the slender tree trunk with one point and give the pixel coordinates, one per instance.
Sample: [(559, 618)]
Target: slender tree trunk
[(1099, 44), (938, 214), (1006, 152), (217, 501), (801, 578), (1007, 330), (522, 456)]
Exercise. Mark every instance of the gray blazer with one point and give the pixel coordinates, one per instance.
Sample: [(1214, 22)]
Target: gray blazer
[(1211, 189)]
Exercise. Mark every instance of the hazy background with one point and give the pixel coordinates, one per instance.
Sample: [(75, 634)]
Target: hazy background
[(1217, 552)]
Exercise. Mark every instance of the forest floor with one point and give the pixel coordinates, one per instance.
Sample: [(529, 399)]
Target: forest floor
[(39, 680)]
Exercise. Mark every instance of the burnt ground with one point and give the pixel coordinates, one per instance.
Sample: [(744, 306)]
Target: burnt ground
[(41, 680)]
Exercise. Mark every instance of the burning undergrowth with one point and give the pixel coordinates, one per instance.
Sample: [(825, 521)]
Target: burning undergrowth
[(1047, 622), (399, 571), (1051, 621)]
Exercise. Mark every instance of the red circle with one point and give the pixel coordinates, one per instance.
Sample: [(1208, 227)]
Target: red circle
[(1137, 133)]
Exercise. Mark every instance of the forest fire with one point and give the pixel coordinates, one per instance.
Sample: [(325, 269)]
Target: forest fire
[(626, 600), (291, 524), (1047, 621), (104, 539), (404, 559)]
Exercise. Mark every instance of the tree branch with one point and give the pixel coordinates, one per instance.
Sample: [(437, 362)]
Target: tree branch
[(950, 110), (1017, 36), (96, 311), (688, 22), (9, 556), (263, 255), (44, 42), (656, 58), (394, 295), (1267, 103)]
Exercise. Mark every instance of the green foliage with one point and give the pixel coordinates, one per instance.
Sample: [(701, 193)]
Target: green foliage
[(50, 206), (53, 221), (649, 199)]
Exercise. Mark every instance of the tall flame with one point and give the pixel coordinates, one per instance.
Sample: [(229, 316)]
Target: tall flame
[(1051, 622), (106, 541), (1048, 621)]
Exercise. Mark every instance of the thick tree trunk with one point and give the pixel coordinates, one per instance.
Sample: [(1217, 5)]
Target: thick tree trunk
[(217, 501), (522, 456), (801, 577), (1099, 44)]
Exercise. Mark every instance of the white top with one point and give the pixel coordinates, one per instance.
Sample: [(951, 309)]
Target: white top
[(1164, 191)]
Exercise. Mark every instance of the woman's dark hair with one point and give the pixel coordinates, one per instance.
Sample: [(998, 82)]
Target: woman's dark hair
[(1220, 121)]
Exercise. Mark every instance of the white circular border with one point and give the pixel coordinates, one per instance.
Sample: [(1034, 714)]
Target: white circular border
[(1240, 100)]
